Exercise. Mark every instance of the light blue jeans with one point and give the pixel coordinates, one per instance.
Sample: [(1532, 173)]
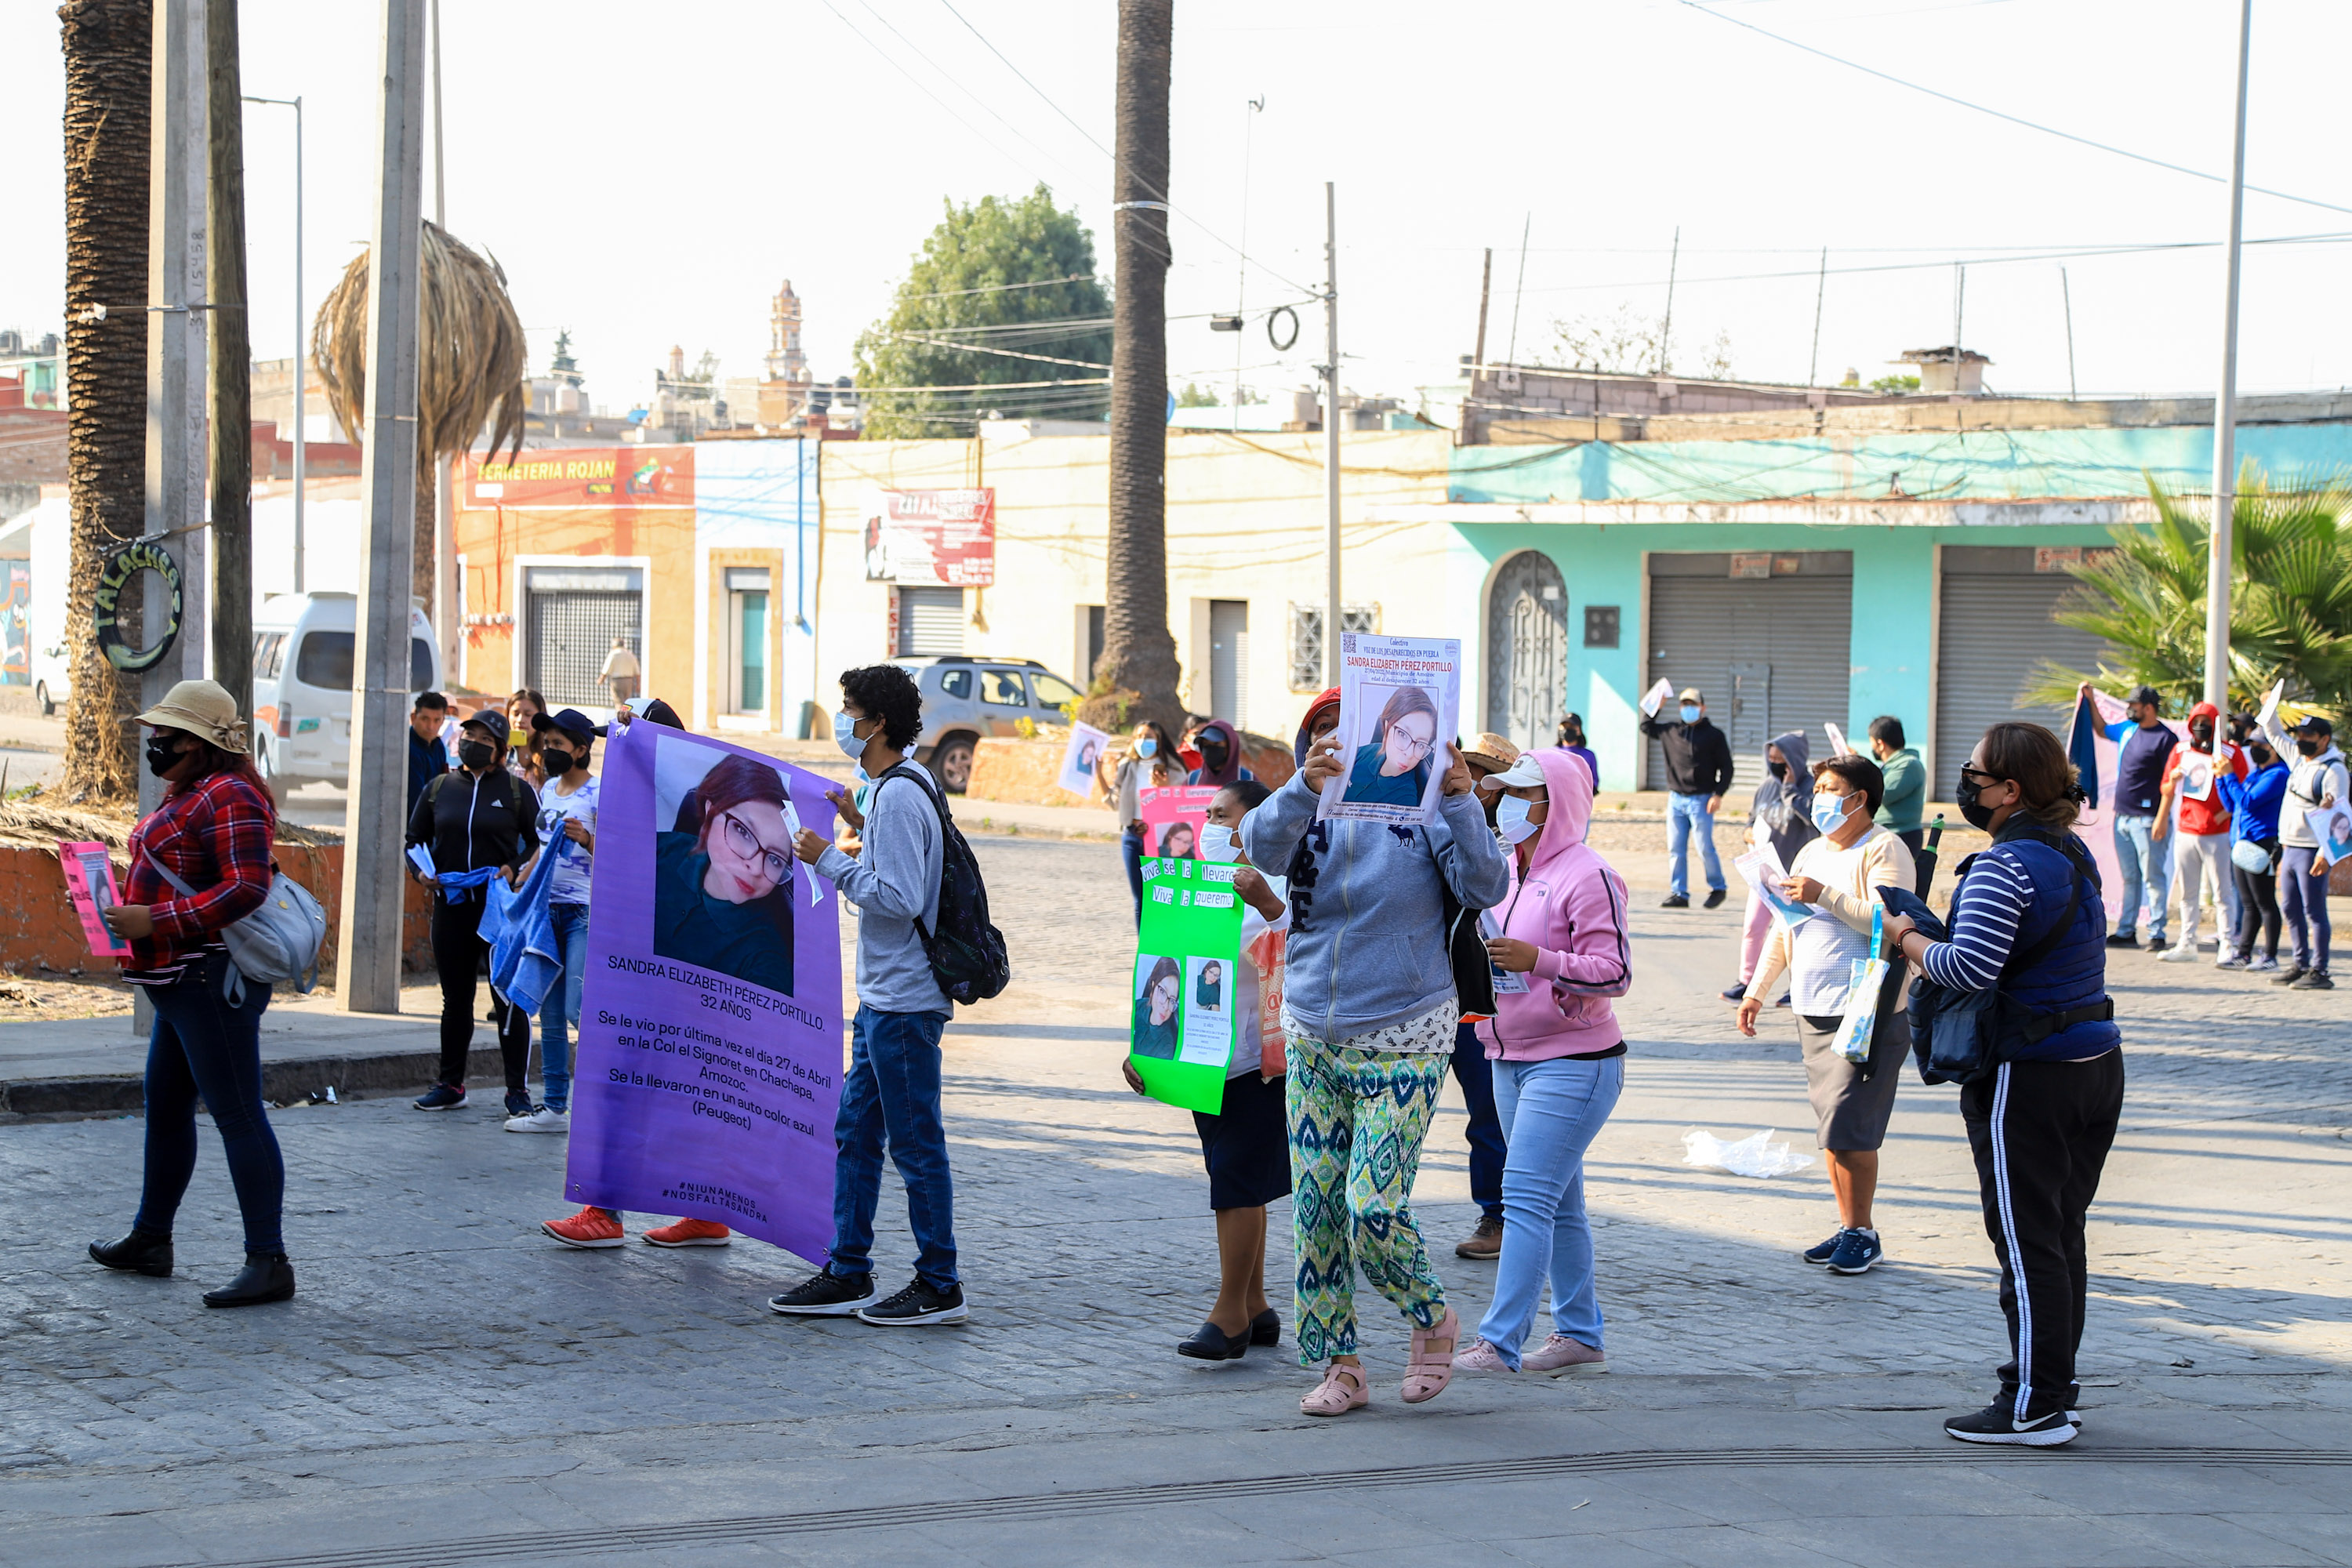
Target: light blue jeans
[(1550, 1112), (2146, 862), (1685, 813), (562, 1004)]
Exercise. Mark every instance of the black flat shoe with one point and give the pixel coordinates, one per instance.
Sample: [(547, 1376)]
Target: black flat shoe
[(141, 1252), (1266, 1328), (265, 1277), (1210, 1342)]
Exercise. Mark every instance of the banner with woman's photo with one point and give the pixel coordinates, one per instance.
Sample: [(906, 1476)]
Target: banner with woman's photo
[(1187, 946), (1173, 817), (710, 1038), (1399, 705)]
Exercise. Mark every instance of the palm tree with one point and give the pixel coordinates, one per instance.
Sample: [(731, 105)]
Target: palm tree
[(2289, 596), (1137, 676), (469, 366), (109, 52)]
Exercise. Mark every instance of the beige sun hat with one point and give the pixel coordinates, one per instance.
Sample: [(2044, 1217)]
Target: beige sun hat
[(1495, 750), (205, 709)]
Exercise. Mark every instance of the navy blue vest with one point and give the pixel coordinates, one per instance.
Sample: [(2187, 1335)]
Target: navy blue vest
[(2074, 974)]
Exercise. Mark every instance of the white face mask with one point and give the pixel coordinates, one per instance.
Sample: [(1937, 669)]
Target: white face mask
[(1222, 844), (844, 735), (1511, 821)]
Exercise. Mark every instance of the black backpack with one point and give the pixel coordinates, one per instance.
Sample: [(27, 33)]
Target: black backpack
[(967, 953)]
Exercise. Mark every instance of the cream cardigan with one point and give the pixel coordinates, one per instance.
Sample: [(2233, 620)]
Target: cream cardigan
[(1876, 859)]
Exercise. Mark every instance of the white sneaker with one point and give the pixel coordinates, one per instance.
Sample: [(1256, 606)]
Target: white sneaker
[(540, 1120), (2184, 954)]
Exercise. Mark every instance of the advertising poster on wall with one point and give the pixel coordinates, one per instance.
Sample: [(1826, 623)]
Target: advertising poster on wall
[(582, 478), (942, 537), (1400, 704), (711, 1035), (1188, 944), (1173, 815)]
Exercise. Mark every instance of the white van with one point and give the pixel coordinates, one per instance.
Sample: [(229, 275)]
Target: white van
[(303, 653)]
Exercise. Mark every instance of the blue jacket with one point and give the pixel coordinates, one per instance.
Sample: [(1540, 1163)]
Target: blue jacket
[(2254, 801), (524, 958)]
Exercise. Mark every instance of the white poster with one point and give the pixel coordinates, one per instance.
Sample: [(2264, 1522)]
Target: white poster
[(1655, 698), (1078, 759), (1400, 701)]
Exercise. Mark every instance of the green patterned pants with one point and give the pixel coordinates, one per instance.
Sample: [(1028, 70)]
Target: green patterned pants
[(1357, 1121)]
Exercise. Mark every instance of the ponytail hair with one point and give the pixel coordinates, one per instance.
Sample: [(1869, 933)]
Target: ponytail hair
[(2031, 757)]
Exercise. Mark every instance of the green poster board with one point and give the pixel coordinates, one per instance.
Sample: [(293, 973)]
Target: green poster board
[(1187, 950)]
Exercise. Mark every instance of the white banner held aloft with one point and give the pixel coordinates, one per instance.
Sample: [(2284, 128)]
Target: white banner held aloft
[(1655, 698), (1399, 706), (1079, 757)]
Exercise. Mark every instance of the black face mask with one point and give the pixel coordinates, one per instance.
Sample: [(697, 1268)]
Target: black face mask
[(1571, 736), (2264, 756), (2200, 736), (2308, 746), (1969, 797), (557, 761), (1779, 770), (475, 753), (163, 752), (1214, 753)]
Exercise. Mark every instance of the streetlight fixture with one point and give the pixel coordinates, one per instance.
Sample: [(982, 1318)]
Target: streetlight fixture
[(301, 358)]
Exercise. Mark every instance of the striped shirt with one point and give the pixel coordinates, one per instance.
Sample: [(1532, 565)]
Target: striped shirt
[(1986, 917)]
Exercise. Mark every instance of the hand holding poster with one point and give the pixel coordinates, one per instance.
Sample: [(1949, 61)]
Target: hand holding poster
[(1655, 698), (1172, 817), (1188, 944), (1764, 873), (89, 885), (1079, 757), (709, 1057), (1399, 705)]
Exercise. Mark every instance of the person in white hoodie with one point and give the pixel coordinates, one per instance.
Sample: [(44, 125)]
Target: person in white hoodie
[(2316, 781)]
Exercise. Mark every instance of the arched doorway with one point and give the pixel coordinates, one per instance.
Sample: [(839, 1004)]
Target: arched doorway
[(1526, 649)]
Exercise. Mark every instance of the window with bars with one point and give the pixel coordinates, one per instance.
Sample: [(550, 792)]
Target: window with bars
[(1307, 640)]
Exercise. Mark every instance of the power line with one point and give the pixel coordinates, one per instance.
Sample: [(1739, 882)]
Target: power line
[(982, 349), (920, 86), (2001, 114)]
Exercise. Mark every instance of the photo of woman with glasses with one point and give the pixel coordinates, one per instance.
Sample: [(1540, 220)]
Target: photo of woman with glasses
[(1159, 981), (1391, 768), (723, 875)]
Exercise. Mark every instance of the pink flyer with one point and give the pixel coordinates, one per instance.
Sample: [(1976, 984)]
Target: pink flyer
[(90, 883)]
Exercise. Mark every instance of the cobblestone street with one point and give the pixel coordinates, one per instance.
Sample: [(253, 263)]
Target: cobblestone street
[(449, 1380)]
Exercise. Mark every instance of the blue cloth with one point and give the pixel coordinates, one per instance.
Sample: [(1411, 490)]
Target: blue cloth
[(570, 924), (1475, 1074), (2254, 801), (202, 1045), (890, 1100), (525, 963), (1551, 1110), (461, 882), (2083, 748), (2143, 859), (1685, 813)]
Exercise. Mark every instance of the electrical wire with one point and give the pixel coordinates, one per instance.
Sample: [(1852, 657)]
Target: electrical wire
[(984, 349), (919, 86)]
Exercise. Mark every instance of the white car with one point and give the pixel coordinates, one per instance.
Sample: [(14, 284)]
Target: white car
[(303, 653)]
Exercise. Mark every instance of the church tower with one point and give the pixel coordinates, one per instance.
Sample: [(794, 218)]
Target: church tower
[(785, 395)]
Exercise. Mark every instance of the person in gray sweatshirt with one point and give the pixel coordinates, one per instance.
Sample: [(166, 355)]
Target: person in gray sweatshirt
[(1369, 1013), (890, 1095)]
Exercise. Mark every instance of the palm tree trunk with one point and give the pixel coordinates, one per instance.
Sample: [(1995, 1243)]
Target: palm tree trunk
[(108, 56), (1138, 676)]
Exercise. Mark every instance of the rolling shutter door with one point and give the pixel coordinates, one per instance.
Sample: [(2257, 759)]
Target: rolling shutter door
[(1995, 630), (1789, 637), (572, 615), (931, 620)]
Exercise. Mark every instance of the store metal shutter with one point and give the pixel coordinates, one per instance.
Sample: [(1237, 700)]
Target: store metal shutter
[(931, 620), (571, 615), (1996, 629), (1229, 661), (1789, 635)]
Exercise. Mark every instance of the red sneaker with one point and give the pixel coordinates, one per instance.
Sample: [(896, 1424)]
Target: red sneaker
[(691, 1233), (591, 1226)]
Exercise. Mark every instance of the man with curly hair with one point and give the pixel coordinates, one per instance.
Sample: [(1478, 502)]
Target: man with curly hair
[(890, 1095)]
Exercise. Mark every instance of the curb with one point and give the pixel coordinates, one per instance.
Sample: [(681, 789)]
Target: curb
[(283, 1080)]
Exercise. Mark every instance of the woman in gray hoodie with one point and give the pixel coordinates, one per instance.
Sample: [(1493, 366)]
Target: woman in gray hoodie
[(1368, 1012), (1782, 816)]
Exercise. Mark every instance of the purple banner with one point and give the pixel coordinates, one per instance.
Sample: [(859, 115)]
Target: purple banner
[(711, 1038)]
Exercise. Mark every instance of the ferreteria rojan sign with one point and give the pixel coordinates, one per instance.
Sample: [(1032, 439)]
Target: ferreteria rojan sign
[(118, 574)]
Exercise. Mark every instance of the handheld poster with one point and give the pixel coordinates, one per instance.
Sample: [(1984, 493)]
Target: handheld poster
[(1186, 949), (89, 885), (1400, 704), (1079, 757), (1764, 872), (1655, 698), (1172, 817)]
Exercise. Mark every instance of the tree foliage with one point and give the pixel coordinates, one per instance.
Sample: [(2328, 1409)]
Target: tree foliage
[(959, 297), (2290, 596), (1629, 343)]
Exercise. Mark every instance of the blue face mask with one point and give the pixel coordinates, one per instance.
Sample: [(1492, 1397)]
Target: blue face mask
[(1511, 820), (1829, 810), (1690, 713), (1147, 747), (844, 735)]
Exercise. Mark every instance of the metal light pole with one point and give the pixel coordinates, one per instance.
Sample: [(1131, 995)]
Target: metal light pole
[(301, 332), (2225, 412), (1331, 423), (367, 964)]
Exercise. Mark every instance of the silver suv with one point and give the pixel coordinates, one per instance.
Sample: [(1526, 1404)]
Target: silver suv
[(965, 698)]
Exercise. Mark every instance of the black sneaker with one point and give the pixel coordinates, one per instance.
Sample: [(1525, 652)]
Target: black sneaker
[(2289, 975), (1820, 1251), (2157, 944), (441, 1097), (825, 1294), (2123, 939), (1715, 897), (1994, 1423), (519, 1104), (1736, 993), (919, 1304), (2314, 980), (1675, 901)]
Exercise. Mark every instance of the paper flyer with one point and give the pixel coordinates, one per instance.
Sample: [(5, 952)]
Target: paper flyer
[(1187, 945), (1400, 704), (711, 1021), (1507, 981), (1764, 873), (1656, 697), (1078, 759), (89, 886), (1173, 815)]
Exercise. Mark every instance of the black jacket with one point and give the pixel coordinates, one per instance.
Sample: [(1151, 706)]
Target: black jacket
[(1698, 758), (474, 821)]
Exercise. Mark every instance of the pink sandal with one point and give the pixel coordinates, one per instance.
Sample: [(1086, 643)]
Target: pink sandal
[(1341, 1390), (1428, 1370)]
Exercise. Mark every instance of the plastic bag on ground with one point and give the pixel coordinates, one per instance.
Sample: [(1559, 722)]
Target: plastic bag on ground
[(1753, 1156)]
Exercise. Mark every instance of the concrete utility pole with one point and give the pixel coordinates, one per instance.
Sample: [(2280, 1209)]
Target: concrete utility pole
[(367, 964), (232, 367), (1331, 622), (2225, 408), (1486, 289)]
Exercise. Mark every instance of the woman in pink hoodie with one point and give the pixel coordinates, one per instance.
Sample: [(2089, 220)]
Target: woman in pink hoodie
[(1560, 955)]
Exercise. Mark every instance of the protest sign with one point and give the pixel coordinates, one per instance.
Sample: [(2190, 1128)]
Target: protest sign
[(1173, 815), (1187, 946), (1655, 698), (1400, 704), (1764, 873), (1079, 757), (711, 1039), (2331, 827), (2268, 716), (1838, 747), (89, 885)]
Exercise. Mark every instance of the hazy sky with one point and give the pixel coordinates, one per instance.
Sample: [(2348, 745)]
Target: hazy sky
[(647, 173)]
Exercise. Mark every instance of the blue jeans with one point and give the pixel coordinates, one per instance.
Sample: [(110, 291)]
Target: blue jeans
[(1551, 1112), (890, 1098), (1685, 813), (2146, 862), (562, 1004), (1130, 850), (202, 1045), (1475, 1074), (2303, 899)]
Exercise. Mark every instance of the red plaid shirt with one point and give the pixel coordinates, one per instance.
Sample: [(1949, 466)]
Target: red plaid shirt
[(214, 836)]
